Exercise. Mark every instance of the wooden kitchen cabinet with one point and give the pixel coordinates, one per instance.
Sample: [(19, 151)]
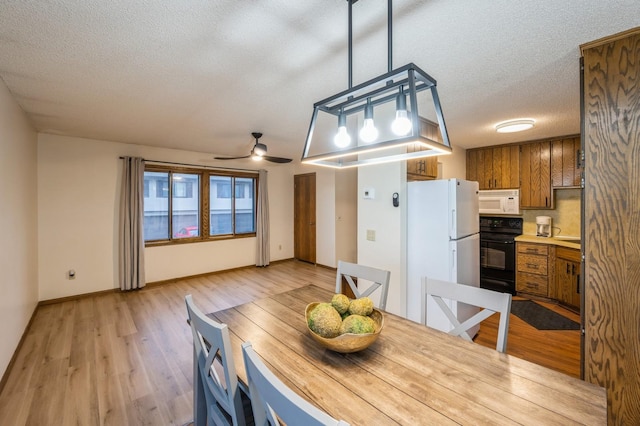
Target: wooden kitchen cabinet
[(496, 167), (421, 168), (566, 162), (533, 268), (535, 175), (567, 276), (424, 168)]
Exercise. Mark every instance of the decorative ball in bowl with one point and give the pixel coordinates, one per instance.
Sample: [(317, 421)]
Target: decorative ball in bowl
[(347, 342)]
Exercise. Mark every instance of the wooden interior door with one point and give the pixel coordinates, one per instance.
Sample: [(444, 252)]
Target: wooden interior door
[(304, 229)]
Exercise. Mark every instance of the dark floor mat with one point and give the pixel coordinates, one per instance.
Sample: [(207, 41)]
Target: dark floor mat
[(541, 317)]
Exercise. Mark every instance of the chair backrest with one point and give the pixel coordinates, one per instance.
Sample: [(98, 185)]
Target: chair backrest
[(379, 279), (216, 367), (271, 397), (491, 302)]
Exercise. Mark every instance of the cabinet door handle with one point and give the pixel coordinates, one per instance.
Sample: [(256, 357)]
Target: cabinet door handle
[(578, 284), (567, 269), (573, 269), (532, 266)]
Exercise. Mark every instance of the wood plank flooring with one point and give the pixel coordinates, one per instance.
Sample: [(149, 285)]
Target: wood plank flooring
[(555, 349), (125, 358)]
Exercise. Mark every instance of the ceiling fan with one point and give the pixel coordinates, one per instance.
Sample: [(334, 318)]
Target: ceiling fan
[(258, 152)]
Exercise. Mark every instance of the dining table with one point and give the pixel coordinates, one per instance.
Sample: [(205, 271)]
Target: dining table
[(411, 374)]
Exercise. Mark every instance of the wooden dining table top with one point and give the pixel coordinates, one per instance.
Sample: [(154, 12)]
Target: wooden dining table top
[(410, 375)]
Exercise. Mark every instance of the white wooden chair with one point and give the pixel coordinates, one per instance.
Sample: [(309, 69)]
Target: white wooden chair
[(214, 372), (491, 302), (271, 399), (379, 279)]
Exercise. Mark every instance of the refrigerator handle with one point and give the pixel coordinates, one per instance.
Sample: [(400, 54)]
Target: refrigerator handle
[(453, 223), (454, 267)]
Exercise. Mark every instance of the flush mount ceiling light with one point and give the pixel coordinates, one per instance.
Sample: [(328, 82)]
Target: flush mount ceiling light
[(377, 121), (518, 125)]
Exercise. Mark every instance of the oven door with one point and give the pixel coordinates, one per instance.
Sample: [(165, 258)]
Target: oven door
[(497, 263)]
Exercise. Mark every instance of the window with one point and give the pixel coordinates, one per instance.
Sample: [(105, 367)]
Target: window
[(174, 200), (232, 215)]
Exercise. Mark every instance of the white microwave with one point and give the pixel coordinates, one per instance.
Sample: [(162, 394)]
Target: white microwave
[(499, 201)]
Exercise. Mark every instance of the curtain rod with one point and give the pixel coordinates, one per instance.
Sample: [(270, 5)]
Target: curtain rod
[(198, 165)]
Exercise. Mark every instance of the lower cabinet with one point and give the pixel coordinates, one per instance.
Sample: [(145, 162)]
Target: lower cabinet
[(567, 276), (533, 268)]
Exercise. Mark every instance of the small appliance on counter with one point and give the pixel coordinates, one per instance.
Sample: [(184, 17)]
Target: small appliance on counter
[(543, 226)]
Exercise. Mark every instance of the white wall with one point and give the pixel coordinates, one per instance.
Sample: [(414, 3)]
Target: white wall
[(347, 215), (325, 217), (18, 207), (79, 183), (388, 251), (454, 166)]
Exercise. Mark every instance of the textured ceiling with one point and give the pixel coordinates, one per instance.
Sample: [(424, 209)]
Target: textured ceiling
[(202, 75)]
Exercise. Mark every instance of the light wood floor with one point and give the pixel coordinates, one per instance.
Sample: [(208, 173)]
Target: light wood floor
[(125, 358)]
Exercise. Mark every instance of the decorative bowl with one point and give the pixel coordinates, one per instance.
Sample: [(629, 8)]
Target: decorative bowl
[(348, 342)]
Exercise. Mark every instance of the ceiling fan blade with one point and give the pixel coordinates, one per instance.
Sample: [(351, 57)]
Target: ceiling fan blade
[(232, 158), (258, 148), (276, 159)]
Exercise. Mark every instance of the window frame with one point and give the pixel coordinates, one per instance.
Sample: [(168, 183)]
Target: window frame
[(204, 203)]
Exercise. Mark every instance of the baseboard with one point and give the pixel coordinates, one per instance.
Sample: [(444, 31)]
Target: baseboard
[(206, 274), (76, 297)]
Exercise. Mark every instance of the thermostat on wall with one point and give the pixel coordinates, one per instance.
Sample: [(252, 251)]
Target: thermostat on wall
[(369, 193)]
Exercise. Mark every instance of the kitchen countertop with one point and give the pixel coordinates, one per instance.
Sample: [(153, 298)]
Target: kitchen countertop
[(544, 240)]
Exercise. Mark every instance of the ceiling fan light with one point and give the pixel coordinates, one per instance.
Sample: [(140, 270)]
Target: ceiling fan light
[(256, 157), (511, 126), (260, 149)]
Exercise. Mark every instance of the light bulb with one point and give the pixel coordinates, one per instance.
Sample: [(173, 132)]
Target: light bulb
[(342, 138), (256, 157), (401, 125), (368, 133)]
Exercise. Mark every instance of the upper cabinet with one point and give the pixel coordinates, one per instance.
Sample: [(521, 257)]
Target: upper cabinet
[(535, 175), (424, 168), (535, 167), (566, 164), (495, 167)]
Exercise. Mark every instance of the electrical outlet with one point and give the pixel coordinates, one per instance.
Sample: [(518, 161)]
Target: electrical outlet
[(371, 235)]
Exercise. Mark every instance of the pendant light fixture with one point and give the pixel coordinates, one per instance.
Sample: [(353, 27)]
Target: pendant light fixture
[(393, 98)]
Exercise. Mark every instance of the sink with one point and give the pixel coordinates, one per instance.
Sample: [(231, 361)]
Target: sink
[(568, 239)]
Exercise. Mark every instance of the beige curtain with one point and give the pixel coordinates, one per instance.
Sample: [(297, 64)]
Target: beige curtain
[(131, 244), (262, 222)]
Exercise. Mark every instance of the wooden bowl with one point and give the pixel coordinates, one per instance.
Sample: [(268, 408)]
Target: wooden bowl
[(348, 342)]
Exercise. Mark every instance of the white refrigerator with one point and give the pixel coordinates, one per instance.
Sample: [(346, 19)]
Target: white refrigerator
[(443, 242)]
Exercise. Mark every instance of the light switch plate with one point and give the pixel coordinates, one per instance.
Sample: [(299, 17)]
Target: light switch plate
[(371, 235), (369, 193)]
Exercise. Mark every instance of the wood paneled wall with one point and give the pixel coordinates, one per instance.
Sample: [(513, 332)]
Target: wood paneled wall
[(611, 114)]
